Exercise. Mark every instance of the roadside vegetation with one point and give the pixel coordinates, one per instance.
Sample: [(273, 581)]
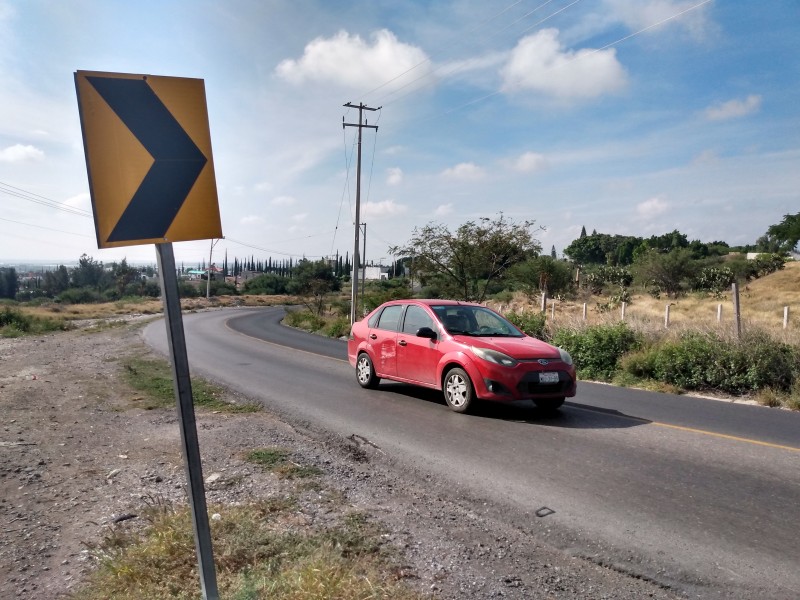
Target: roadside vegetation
[(153, 377), (267, 548), (654, 312)]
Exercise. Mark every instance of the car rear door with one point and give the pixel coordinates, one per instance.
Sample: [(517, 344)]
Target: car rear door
[(383, 340)]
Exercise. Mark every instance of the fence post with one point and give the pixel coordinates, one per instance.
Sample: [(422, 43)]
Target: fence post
[(719, 313), (666, 317), (624, 304), (785, 317), (553, 310), (544, 301), (584, 311), (737, 315)]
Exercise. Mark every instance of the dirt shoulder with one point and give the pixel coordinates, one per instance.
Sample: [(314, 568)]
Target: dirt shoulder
[(76, 453)]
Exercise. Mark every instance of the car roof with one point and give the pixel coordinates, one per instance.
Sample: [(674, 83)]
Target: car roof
[(433, 302)]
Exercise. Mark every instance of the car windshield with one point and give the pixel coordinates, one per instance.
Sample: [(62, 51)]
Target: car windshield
[(474, 320)]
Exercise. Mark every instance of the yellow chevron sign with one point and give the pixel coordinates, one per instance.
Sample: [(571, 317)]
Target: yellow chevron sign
[(148, 155)]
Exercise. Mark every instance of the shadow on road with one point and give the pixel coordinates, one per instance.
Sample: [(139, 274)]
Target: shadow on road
[(572, 415)]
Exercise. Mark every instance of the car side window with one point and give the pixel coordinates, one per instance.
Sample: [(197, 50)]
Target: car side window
[(416, 318), (390, 318)]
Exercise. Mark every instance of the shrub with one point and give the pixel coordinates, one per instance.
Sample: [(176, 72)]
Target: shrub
[(597, 350), (531, 322), (698, 361), (304, 319), (187, 289), (338, 327), (80, 296)]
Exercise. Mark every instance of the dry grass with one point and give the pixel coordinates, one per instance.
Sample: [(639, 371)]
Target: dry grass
[(761, 305), (143, 306)]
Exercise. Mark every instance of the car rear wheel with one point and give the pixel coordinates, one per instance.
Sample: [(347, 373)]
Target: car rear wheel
[(458, 390), (365, 372), (549, 404)]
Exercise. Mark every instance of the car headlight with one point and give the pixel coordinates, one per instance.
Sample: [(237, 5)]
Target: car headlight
[(495, 357), (565, 356)]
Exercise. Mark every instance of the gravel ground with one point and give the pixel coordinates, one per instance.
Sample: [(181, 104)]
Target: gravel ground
[(76, 453)]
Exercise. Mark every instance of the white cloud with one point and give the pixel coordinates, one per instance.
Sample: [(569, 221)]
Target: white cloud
[(299, 217), (651, 208), (706, 157), (262, 186), (83, 200), (282, 201), (252, 220), (385, 208), (19, 153), (733, 109), (639, 14), (349, 60), (530, 162), (394, 176), (464, 171), (540, 63), (444, 209)]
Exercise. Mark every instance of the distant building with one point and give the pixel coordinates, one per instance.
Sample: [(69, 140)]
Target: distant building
[(373, 273)]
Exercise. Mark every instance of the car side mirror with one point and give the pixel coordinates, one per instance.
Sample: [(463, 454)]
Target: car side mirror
[(426, 332)]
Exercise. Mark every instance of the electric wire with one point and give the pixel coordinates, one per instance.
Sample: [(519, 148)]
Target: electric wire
[(41, 200), (427, 60), (447, 69), (574, 58), (47, 228)]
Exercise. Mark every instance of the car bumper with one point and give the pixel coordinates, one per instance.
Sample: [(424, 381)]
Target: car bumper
[(493, 382)]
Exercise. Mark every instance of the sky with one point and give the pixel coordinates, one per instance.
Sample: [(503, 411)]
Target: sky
[(629, 117)]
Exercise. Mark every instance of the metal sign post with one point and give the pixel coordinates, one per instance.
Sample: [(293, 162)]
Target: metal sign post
[(151, 178), (183, 397)]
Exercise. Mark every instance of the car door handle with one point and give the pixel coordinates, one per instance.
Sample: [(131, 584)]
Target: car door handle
[(402, 343), (372, 336)]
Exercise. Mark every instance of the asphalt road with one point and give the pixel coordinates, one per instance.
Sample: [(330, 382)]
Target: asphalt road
[(697, 494)]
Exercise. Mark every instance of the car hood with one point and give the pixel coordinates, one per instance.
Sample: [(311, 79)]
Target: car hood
[(519, 348)]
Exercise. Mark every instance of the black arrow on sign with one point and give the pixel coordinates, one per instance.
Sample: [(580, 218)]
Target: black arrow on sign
[(177, 159)]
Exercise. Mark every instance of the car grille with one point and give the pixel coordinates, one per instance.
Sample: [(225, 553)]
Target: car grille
[(530, 384)]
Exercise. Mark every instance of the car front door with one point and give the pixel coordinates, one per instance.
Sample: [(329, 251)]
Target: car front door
[(383, 340), (417, 357)]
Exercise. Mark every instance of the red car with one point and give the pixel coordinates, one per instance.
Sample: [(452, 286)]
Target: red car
[(466, 350)]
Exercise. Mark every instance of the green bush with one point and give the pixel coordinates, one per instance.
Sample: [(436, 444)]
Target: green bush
[(531, 322), (338, 327), (80, 296), (597, 350), (13, 323), (704, 361), (304, 319), (186, 289)]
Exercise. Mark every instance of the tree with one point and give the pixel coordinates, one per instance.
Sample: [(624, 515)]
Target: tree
[(56, 281), (787, 231), (540, 274), (89, 273), (315, 280), (466, 262), (9, 282), (664, 272)]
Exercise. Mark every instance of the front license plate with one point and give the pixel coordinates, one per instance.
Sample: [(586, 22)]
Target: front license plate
[(548, 377)]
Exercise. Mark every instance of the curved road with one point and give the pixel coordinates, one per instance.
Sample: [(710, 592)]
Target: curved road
[(695, 494)]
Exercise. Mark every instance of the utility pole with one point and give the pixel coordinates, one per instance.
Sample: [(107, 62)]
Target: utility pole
[(364, 260), (361, 124), (208, 278)]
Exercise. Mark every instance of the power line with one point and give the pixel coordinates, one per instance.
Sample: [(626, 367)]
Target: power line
[(427, 60), (47, 228), (576, 57), (42, 200)]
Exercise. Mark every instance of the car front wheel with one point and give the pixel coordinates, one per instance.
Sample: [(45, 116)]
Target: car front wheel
[(365, 372), (458, 390)]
